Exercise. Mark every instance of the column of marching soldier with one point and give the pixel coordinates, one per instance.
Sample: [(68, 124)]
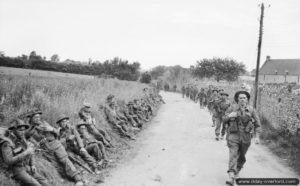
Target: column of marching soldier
[(66, 143), (237, 119)]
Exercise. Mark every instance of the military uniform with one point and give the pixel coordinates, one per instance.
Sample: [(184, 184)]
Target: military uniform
[(183, 91), (86, 116), (201, 97), (117, 123), (18, 159), (55, 151), (220, 108), (94, 147), (73, 143), (238, 137)]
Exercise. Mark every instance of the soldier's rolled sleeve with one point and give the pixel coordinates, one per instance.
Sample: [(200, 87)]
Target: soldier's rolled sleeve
[(78, 138)]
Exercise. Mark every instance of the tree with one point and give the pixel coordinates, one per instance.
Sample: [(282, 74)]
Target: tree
[(2, 54), (34, 56), (219, 69), (157, 71), (54, 58), (145, 78)]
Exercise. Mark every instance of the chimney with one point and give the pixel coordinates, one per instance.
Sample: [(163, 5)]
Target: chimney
[(268, 58)]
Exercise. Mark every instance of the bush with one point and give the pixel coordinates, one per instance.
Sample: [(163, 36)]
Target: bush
[(145, 78)]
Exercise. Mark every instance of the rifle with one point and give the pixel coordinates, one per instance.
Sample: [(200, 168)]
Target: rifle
[(80, 164)]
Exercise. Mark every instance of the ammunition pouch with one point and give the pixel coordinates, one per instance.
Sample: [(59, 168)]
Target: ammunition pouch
[(249, 127), (232, 125)]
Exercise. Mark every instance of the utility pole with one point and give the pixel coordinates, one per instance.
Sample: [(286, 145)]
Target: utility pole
[(261, 22)]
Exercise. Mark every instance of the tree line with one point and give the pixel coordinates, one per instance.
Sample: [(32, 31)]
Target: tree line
[(116, 67)]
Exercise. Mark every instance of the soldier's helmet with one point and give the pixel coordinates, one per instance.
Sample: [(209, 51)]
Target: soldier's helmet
[(81, 123), (87, 105), (33, 112), (50, 129), (109, 97), (130, 103), (17, 123), (224, 93), (61, 117), (236, 95)]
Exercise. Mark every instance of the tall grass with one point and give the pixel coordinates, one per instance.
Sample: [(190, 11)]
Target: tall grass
[(55, 96)]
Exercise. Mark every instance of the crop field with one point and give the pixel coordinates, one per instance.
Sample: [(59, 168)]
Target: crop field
[(40, 73)]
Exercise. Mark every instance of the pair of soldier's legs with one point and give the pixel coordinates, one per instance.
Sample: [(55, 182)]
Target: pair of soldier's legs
[(58, 156), (237, 155), (29, 179), (219, 125)]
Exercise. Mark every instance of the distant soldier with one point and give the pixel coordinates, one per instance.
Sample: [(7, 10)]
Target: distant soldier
[(241, 121), (183, 91), (73, 143), (175, 88), (211, 102), (220, 108), (45, 136), (167, 87), (18, 155), (201, 97)]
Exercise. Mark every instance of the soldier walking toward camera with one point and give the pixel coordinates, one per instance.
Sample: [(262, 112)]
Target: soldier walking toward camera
[(18, 155), (201, 97), (183, 91), (220, 108), (211, 105), (241, 121)]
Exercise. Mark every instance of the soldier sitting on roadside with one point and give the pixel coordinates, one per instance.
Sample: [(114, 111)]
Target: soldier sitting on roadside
[(73, 143), (92, 145), (18, 154), (85, 114), (45, 136), (138, 110), (113, 118)]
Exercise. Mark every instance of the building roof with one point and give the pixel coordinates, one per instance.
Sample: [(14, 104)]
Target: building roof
[(281, 66)]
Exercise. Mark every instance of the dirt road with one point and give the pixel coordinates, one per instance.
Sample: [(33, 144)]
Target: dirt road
[(179, 148)]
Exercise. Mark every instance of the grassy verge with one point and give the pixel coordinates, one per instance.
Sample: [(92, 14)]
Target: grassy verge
[(284, 146), (58, 95)]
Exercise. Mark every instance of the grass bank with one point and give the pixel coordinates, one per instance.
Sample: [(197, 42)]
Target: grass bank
[(53, 96)]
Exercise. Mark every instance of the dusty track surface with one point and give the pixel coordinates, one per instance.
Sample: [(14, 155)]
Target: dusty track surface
[(179, 148)]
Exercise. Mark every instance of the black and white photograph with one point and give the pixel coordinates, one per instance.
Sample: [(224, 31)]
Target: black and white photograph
[(149, 92)]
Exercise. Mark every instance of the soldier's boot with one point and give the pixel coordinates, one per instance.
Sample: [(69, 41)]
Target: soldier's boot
[(231, 180), (221, 137), (217, 137)]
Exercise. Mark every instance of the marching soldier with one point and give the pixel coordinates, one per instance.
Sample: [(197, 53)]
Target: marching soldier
[(220, 108), (201, 97), (183, 91), (18, 155), (72, 141), (212, 100), (241, 121), (46, 136)]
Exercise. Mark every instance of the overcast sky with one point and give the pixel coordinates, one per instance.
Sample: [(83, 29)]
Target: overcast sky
[(153, 32)]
